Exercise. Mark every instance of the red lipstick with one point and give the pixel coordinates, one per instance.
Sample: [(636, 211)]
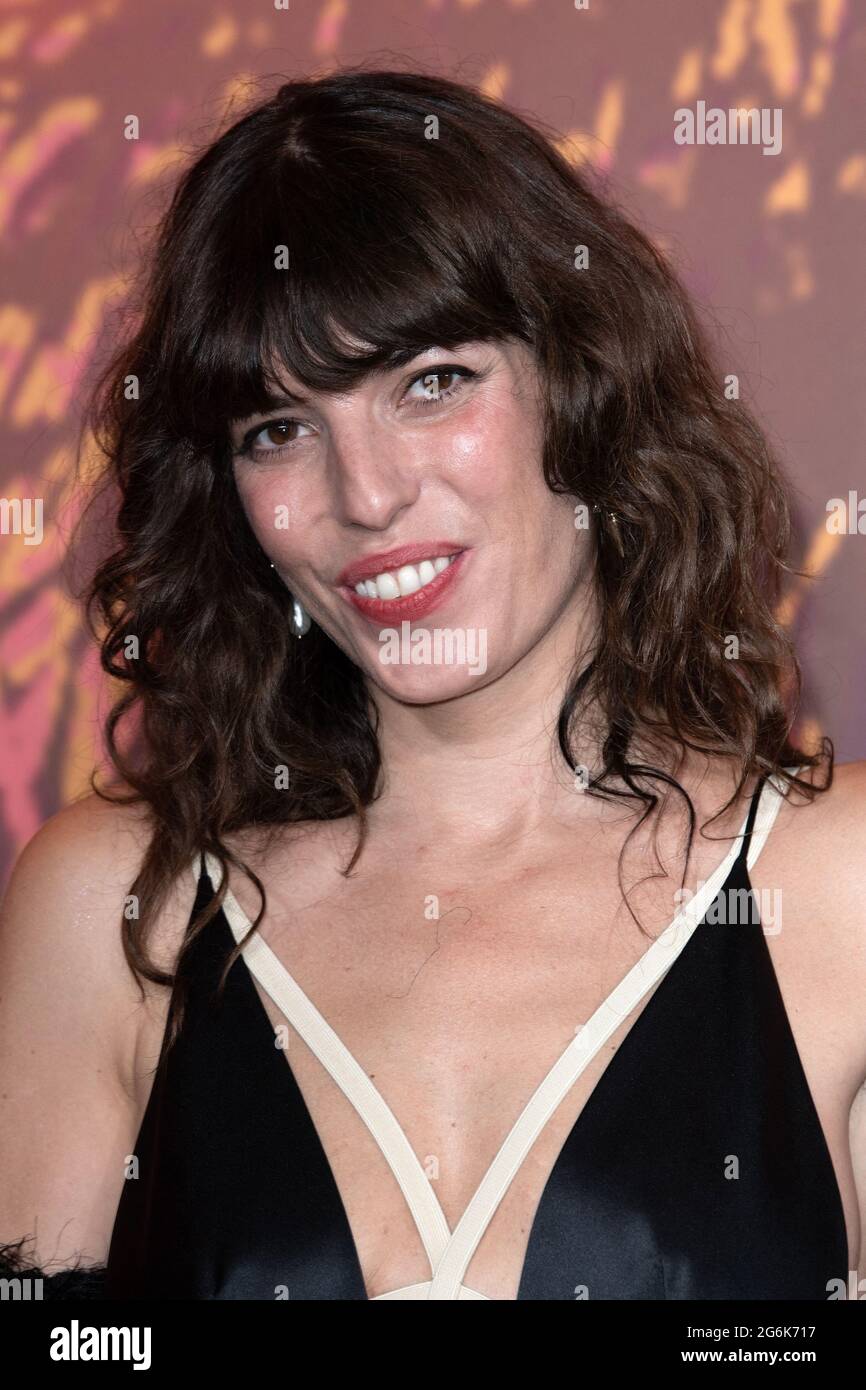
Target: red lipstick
[(417, 605), (371, 565)]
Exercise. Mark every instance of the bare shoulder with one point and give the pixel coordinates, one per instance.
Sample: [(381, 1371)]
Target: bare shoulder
[(89, 843), (85, 857), (60, 917), (815, 859), (846, 796), (70, 876), (822, 843)]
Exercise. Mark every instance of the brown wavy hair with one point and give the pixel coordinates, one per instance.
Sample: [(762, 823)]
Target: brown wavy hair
[(414, 210)]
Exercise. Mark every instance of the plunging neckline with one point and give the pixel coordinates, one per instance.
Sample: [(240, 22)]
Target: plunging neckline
[(449, 1252)]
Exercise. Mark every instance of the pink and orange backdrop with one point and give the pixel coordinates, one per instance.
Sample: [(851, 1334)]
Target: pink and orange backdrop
[(771, 245)]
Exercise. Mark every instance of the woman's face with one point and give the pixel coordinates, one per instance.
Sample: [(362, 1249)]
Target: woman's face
[(424, 487)]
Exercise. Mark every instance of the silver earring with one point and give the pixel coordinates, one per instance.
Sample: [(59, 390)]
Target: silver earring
[(300, 621)]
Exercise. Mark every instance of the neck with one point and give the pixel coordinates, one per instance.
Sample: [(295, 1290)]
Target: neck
[(485, 770), (486, 767)]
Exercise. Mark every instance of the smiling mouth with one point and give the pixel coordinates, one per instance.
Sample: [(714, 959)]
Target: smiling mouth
[(406, 580), (409, 591)]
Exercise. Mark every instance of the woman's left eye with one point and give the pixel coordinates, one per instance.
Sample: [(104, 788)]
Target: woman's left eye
[(431, 384)]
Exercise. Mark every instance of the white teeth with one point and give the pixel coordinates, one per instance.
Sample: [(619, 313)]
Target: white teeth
[(387, 586), (407, 579)]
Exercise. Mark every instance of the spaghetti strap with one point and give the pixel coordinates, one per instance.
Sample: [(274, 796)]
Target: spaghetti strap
[(197, 867), (771, 804), (746, 844), (766, 803)]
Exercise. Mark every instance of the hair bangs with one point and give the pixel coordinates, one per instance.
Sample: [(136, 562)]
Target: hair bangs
[(347, 290)]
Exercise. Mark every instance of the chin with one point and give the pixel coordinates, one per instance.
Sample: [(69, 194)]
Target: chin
[(429, 685), (423, 665)]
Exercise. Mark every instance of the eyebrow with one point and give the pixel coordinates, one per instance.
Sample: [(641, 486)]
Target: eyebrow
[(396, 359), (289, 398)]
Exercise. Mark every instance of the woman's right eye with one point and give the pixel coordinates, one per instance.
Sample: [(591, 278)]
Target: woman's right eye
[(251, 448)]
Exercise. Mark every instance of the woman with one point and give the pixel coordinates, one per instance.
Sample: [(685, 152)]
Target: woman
[(443, 594)]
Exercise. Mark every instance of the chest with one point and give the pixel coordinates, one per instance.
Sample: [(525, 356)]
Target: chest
[(457, 1000), (455, 997), (454, 990)]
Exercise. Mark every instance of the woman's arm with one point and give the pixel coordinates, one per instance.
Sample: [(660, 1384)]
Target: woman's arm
[(71, 1026)]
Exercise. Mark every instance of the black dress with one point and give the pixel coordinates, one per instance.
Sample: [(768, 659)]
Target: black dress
[(697, 1169)]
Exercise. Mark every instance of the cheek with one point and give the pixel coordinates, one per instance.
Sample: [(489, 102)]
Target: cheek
[(493, 458), (276, 513), (494, 453), (496, 465), (473, 458)]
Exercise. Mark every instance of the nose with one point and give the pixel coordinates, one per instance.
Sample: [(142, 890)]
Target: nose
[(373, 476)]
